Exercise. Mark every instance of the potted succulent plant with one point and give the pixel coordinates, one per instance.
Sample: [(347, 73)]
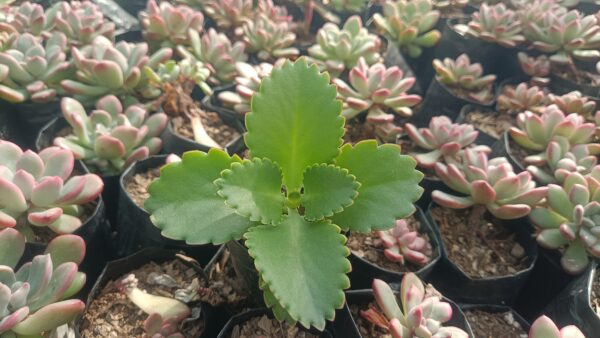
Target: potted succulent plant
[(458, 82), (35, 297), (339, 193), (416, 310), (501, 254)]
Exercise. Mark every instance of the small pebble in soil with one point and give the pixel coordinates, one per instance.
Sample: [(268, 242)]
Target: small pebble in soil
[(266, 327), (137, 186), (494, 324)]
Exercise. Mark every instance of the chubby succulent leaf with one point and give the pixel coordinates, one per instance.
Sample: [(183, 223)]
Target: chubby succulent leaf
[(295, 120), (185, 190), (12, 246), (327, 189), (253, 190), (290, 256), (389, 186)]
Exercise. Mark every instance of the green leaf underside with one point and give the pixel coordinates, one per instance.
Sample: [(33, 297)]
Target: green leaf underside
[(389, 186), (295, 120), (253, 189), (327, 190), (304, 266), (185, 205)]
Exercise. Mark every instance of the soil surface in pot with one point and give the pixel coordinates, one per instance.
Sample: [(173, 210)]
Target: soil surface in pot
[(137, 186), (485, 250), (368, 247), (215, 128), (493, 325), (112, 314), (357, 131), (491, 123), (224, 288), (266, 327), (518, 152), (365, 327), (595, 296)]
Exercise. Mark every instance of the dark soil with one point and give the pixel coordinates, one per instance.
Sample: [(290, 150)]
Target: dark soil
[(264, 326), (363, 245), (492, 123), (485, 250), (595, 296), (112, 314), (224, 287), (357, 131), (494, 325), (214, 126), (365, 327), (137, 186)]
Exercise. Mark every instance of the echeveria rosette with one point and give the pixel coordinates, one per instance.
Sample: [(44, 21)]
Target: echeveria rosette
[(294, 135), (403, 244), (570, 219), (422, 313), (574, 103), (377, 90), (544, 327), (32, 70), (166, 25), (111, 137), (268, 39), (38, 190), (103, 68), (34, 298), (444, 140), (496, 24), (247, 83), (491, 184), (464, 78), (26, 18), (352, 6), (339, 49), (229, 15), (409, 24), (515, 100)]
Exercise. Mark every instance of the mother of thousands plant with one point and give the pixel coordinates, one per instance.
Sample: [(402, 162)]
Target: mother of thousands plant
[(291, 199)]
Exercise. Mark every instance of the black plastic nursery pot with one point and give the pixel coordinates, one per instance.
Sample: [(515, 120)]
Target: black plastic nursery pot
[(577, 296), (489, 308), (120, 267), (363, 272), (502, 148), (560, 85), (409, 66), (456, 284), (135, 231), (8, 126), (588, 6), (110, 194), (439, 100), (483, 138), (130, 36), (31, 117), (364, 297), (212, 103)]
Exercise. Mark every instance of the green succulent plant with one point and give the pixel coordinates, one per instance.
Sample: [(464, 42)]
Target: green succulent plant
[(291, 199)]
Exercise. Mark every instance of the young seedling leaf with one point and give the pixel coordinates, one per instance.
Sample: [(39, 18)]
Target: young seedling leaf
[(185, 205), (389, 186), (308, 258), (253, 189), (327, 189), (295, 120)]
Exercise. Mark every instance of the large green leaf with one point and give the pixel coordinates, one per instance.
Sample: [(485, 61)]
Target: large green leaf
[(327, 190), (280, 313), (184, 203), (295, 120), (304, 266), (253, 189), (389, 186)]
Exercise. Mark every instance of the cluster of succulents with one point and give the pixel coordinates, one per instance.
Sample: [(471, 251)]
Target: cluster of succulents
[(352, 6), (569, 219), (377, 90), (167, 25), (515, 100), (26, 18), (229, 15), (421, 314), (103, 68), (268, 39), (164, 314), (39, 190), (247, 83), (339, 49), (31, 70), (490, 184), (574, 103), (111, 138), (409, 24), (538, 68), (80, 21), (404, 245), (465, 79), (217, 53), (445, 141), (34, 299), (497, 24)]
